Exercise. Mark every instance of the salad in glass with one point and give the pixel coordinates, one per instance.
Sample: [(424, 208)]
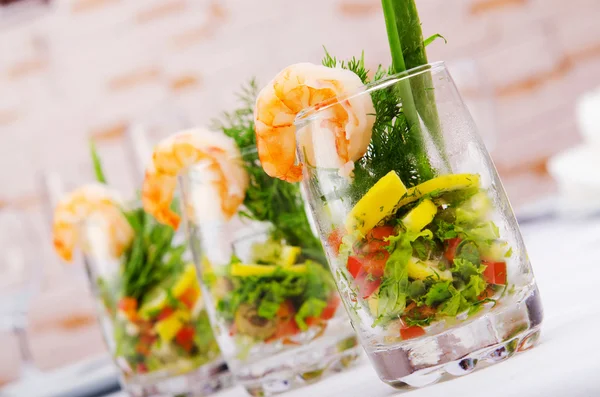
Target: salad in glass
[(150, 304), (420, 236), (272, 301)]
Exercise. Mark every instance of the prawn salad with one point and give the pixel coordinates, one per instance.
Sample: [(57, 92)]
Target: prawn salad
[(280, 287), (152, 310), (414, 257), (160, 323), (283, 288), (414, 246)]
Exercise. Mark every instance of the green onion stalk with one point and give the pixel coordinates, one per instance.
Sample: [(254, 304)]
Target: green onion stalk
[(418, 99)]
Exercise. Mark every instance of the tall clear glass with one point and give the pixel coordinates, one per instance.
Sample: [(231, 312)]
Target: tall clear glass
[(20, 278), (272, 301), (152, 312), (420, 236)]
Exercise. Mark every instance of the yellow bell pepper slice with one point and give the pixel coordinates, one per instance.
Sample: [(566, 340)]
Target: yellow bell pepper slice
[(289, 254), (420, 216), (247, 270), (378, 203), (444, 183), (420, 270), (188, 279), (170, 326)]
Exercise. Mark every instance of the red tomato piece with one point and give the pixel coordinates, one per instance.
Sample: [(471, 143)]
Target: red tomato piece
[(331, 308), (374, 263), (366, 284), (185, 337), (335, 240), (189, 297), (411, 332), (495, 272), (312, 321), (380, 233), (127, 304), (286, 310), (375, 239), (354, 266), (141, 368), (451, 247), (164, 313)]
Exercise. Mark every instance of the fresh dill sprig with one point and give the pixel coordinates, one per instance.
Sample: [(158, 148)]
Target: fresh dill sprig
[(354, 64), (394, 144), (268, 199), (151, 258)]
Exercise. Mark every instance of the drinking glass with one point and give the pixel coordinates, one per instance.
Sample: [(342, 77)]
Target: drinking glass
[(478, 95), (272, 302), (159, 335), (20, 277), (420, 236)]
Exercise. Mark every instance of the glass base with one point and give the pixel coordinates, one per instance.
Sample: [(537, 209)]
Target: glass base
[(300, 367), (203, 381), (489, 339)]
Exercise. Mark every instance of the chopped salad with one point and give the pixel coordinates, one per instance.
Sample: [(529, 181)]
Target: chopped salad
[(422, 255)]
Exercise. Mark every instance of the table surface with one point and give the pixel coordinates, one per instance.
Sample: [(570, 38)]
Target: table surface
[(566, 260)]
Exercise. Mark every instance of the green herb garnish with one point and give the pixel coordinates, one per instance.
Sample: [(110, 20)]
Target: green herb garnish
[(268, 199)]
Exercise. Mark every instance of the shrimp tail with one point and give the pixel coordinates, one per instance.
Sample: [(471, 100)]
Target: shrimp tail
[(294, 174)]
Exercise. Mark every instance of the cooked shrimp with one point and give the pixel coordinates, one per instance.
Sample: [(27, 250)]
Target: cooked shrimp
[(90, 201), (177, 152), (298, 87)]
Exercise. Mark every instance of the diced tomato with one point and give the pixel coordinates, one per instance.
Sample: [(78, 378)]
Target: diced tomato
[(185, 337), (286, 310), (335, 240), (411, 332), (190, 296), (354, 266), (141, 368), (375, 239), (374, 263), (331, 308), (372, 254), (164, 313), (366, 283), (127, 304), (451, 247), (287, 328), (286, 325), (327, 313), (495, 272)]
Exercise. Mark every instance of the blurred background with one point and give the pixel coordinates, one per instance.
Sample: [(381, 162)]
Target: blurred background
[(71, 70)]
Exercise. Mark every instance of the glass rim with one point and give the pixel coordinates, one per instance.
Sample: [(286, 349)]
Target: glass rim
[(310, 113)]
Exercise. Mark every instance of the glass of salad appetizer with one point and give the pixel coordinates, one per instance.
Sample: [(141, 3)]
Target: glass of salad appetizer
[(149, 301), (420, 236), (272, 301)]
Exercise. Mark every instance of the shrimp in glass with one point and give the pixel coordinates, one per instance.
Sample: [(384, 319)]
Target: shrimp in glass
[(97, 203), (345, 131), (175, 154)]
